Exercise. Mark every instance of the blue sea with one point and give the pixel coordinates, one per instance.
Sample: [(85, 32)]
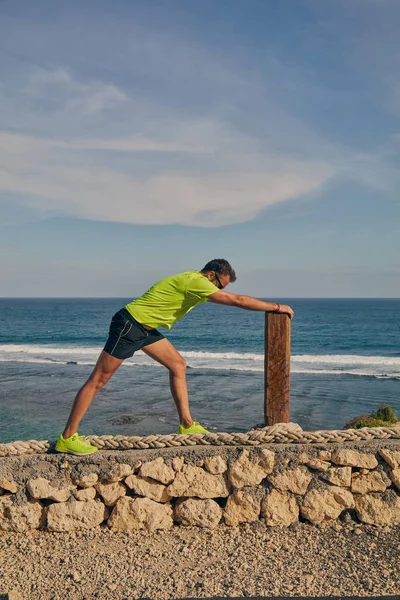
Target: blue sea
[(345, 362)]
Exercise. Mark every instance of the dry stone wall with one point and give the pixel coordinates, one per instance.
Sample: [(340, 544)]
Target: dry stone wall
[(204, 489)]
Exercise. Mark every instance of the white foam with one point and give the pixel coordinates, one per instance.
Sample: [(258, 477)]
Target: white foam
[(346, 359), (315, 364), (46, 349)]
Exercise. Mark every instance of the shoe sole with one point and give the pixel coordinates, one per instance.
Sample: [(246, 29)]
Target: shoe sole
[(76, 453)]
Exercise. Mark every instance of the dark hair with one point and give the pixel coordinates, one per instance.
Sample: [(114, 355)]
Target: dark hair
[(220, 266)]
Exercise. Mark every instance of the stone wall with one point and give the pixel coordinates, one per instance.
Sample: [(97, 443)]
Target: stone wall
[(278, 484)]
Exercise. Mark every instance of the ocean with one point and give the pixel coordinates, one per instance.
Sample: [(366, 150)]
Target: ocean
[(345, 362)]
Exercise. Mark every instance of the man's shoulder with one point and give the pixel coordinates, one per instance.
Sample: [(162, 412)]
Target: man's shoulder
[(179, 281), (190, 274), (189, 281), (187, 275)]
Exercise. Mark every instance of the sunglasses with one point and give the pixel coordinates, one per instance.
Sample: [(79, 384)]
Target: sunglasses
[(221, 287)]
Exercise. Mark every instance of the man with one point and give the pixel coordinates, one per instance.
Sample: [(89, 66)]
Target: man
[(134, 328)]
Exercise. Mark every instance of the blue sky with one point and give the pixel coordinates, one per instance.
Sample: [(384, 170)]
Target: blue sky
[(143, 138)]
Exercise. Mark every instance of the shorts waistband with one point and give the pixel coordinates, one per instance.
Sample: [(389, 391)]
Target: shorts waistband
[(132, 319)]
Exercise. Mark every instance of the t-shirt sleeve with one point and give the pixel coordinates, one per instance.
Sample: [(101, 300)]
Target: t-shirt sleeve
[(201, 288)]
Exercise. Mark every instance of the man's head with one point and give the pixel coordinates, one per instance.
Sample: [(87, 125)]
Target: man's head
[(220, 272)]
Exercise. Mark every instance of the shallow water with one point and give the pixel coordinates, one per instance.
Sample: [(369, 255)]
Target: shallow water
[(35, 400)]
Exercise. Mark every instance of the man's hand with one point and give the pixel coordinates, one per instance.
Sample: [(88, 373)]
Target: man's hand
[(286, 310)]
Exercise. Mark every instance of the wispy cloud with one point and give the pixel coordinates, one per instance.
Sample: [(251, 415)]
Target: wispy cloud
[(215, 174), (68, 94), (52, 175)]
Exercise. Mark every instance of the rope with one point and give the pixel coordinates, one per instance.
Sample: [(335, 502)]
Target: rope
[(281, 433)]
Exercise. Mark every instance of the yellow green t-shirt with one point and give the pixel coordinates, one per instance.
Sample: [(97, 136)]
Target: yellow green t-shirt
[(170, 299)]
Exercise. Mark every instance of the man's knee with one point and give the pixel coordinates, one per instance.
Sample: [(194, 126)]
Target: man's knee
[(99, 379), (179, 366)]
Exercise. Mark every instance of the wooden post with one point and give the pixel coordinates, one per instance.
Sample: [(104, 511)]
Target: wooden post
[(277, 369)]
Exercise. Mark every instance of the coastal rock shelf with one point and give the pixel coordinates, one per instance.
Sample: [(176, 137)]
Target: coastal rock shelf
[(164, 488)]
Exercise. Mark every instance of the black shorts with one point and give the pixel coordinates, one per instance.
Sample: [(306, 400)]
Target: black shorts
[(126, 335)]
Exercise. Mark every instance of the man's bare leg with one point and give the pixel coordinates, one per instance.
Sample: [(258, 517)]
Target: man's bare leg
[(168, 356), (103, 371)]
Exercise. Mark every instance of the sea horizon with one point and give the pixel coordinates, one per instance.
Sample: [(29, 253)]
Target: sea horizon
[(261, 297)]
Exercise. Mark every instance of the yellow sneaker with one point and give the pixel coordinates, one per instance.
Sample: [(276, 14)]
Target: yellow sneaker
[(194, 428), (74, 445)]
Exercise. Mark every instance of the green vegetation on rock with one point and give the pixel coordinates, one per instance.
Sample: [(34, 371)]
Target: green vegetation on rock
[(383, 417)]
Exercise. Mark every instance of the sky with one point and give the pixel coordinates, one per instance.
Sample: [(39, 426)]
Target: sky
[(142, 138)]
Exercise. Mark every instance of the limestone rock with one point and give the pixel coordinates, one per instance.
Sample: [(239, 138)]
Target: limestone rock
[(201, 513), (181, 482), (86, 481), (372, 481), (118, 472), (304, 458), (140, 513), (242, 507), (351, 458), (9, 486), (85, 494), (266, 458), (158, 470), (279, 508), (245, 472), (290, 427), (20, 518), (41, 488), (395, 477), (379, 509), (26, 516), (325, 455), (177, 463), (392, 457), (338, 476), (195, 481), (215, 465), (145, 486), (204, 485), (110, 492), (318, 465), (75, 516), (293, 480), (326, 503)]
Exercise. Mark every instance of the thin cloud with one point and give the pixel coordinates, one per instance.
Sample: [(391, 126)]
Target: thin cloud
[(219, 176), (54, 177), (69, 94), (134, 143)]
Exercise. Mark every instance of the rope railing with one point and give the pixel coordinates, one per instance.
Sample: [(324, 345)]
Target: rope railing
[(280, 433)]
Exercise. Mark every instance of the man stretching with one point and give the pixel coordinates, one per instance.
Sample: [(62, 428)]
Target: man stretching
[(134, 327)]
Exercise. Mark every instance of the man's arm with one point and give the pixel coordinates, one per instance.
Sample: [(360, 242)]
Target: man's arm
[(249, 303)]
